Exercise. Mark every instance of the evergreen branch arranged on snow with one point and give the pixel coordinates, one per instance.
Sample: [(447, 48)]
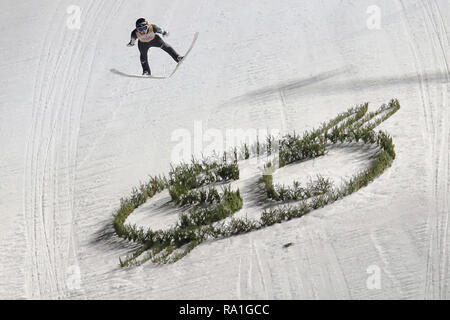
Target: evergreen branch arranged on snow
[(321, 192), (297, 191), (138, 197), (192, 186), (185, 179), (183, 184), (190, 230)]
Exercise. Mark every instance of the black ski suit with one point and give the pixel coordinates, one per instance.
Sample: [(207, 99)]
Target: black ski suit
[(151, 39)]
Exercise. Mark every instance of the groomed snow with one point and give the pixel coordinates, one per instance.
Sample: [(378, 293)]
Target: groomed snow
[(75, 138)]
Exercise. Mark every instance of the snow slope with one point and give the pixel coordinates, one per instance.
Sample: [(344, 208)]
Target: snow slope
[(75, 138)]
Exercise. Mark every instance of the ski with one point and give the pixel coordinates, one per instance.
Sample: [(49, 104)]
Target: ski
[(136, 75), (194, 40)]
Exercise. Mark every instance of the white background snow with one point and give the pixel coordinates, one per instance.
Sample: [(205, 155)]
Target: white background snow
[(75, 138)]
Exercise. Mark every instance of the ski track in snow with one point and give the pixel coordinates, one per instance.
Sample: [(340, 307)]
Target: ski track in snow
[(437, 119), (77, 164), (51, 153)]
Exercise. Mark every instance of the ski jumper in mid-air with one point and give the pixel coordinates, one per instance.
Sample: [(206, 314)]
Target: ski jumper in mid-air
[(148, 37)]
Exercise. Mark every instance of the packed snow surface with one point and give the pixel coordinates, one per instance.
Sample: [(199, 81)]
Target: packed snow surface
[(75, 138)]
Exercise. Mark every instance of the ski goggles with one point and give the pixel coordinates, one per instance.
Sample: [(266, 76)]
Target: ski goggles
[(142, 28)]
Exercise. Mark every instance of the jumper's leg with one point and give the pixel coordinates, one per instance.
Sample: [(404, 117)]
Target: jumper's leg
[(171, 51), (143, 49), (167, 48)]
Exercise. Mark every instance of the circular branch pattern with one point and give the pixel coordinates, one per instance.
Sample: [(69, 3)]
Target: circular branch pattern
[(209, 213)]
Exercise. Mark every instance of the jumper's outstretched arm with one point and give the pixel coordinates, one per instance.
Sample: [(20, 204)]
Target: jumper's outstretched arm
[(159, 30), (133, 38)]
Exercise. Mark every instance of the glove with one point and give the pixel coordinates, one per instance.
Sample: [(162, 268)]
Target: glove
[(165, 33), (130, 44)]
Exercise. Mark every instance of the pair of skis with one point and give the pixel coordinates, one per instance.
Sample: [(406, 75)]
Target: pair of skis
[(159, 77)]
